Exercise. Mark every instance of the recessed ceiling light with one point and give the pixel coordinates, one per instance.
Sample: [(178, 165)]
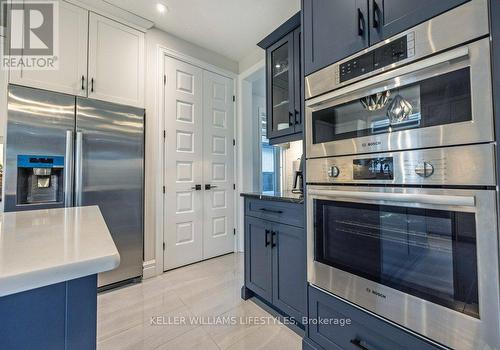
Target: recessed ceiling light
[(161, 8)]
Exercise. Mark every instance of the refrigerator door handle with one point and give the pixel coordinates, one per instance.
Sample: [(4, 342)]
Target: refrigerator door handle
[(78, 169), (68, 170)]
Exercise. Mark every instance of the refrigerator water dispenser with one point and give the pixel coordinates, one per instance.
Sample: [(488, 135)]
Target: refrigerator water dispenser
[(39, 179)]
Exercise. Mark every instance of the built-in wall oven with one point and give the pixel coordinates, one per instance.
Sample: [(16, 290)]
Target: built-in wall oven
[(426, 258), (401, 181), (418, 89)]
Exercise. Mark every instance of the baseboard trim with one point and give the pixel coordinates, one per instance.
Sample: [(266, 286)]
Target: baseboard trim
[(149, 269)]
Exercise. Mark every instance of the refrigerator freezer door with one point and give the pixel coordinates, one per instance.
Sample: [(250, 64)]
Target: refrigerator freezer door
[(111, 175), (38, 123)]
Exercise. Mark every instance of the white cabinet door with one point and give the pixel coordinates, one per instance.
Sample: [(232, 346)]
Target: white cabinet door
[(72, 58), (116, 62), (183, 217), (218, 163)]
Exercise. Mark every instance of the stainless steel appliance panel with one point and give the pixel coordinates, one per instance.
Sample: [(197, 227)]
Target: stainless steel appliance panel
[(462, 165), (462, 24), (479, 128), (441, 324), (38, 123), (109, 172)]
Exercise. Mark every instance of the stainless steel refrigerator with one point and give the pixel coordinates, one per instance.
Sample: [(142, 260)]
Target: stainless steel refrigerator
[(64, 151)]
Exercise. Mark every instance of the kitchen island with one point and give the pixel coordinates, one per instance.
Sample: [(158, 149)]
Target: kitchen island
[(49, 261)]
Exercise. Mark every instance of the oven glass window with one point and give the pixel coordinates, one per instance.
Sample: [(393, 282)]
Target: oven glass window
[(440, 100), (430, 254)]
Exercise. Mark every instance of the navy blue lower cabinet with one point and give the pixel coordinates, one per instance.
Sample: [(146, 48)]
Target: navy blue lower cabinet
[(258, 257), (335, 324), (289, 270), (61, 316), (275, 256)]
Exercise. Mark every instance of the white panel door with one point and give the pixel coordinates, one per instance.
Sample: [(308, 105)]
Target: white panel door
[(71, 75), (218, 163), (116, 62), (183, 217)]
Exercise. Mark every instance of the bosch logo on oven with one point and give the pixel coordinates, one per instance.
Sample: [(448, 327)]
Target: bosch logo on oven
[(374, 292), (371, 144)]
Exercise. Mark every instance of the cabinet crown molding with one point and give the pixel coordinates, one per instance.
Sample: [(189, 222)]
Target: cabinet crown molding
[(113, 12)]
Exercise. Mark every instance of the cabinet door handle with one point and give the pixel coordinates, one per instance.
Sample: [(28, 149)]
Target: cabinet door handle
[(267, 237), (92, 85), (273, 239), (83, 82), (297, 113), (359, 344), (271, 211), (290, 117), (361, 23), (376, 15)]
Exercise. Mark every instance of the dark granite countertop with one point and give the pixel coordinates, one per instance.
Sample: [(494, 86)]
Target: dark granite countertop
[(285, 196)]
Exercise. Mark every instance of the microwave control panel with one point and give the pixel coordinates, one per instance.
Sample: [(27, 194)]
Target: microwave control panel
[(380, 57)]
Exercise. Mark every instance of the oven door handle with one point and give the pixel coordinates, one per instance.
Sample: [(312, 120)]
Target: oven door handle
[(455, 201), (424, 64)]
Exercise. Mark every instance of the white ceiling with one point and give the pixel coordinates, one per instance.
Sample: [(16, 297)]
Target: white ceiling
[(231, 28)]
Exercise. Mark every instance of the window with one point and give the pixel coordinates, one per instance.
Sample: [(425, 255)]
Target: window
[(270, 160)]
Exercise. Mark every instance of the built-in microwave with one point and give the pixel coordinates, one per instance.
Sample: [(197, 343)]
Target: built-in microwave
[(416, 90), (411, 248)]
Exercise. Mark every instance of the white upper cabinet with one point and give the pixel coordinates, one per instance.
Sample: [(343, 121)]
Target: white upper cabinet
[(71, 76), (116, 62)]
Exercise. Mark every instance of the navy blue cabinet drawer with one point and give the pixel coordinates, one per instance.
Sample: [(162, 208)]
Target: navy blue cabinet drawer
[(282, 212), (343, 326)]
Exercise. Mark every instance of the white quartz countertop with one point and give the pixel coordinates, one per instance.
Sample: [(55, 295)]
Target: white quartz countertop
[(43, 247)]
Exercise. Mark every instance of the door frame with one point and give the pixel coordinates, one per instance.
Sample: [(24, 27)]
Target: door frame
[(162, 52)]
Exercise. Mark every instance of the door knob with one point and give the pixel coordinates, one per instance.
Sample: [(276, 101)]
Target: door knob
[(196, 187), (209, 187)]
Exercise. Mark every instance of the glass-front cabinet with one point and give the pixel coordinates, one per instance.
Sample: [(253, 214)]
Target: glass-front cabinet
[(284, 91), (281, 91)]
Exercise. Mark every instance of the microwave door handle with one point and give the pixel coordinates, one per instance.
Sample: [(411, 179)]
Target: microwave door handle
[(78, 169), (425, 64), (444, 200), (68, 170)]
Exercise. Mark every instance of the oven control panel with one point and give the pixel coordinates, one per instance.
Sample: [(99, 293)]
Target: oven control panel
[(380, 168), (463, 165), (382, 56)]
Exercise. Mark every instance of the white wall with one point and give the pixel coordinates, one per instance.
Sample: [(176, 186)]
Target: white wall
[(256, 56), (154, 141), (258, 102)]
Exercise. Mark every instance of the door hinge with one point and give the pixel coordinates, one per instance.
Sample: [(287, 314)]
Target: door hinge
[(163, 245), (234, 186), (234, 142), (234, 231), (164, 79), (164, 134), (234, 98), (163, 189)]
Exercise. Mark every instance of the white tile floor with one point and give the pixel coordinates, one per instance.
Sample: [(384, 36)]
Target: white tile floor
[(179, 301)]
